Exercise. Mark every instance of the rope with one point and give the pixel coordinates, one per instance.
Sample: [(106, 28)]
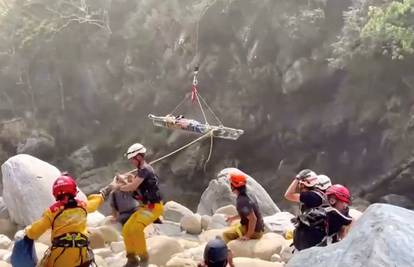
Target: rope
[(201, 107), (209, 133), (210, 152), (211, 110), (179, 105)]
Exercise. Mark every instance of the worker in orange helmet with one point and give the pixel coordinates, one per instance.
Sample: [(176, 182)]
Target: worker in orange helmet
[(251, 224)]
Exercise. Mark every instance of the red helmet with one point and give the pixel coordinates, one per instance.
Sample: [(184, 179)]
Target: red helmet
[(237, 179), (340, 192), (64, 185)]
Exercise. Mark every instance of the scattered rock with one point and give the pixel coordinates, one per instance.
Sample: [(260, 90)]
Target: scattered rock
[(218, 195), (382, 237), (249, 262), (275, 258), (40, 249), (355, 214), (187, 244), (103, 252), (263, 248), (208, 235), (174, 211), (191, 223), (161, 248), (5, 242), (96, 238), (279, 223), (82, 159), (100, 261), (181, 262), (196, 254), (205, 222), (117, 247), (229, 210), (218, 221)]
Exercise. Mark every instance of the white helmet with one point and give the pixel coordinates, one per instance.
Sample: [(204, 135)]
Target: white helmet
[(134, 150), (324, 182)]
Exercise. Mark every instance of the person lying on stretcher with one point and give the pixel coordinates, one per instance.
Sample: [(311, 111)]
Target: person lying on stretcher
[(185, 124)]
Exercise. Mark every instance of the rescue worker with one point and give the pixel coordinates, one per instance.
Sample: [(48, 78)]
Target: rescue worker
[(339, 220), (311, 224), (143, 185), (67, 220), (217, 254), (251, 221)]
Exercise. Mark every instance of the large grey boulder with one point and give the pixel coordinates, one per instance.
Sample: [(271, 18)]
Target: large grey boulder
[(218, 194), (27, 188), (382, 237)]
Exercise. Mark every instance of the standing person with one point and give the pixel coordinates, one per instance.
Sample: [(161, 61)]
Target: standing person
[(311, 224), (251, 221), (339, 220), (67, 220), (217, 254), (144, 184)]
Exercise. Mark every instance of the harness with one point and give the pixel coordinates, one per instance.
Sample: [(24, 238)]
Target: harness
[(71, 239)]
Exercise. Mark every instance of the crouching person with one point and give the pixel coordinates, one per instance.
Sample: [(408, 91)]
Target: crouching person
[(339, 220), (67, 220), (251, 221)]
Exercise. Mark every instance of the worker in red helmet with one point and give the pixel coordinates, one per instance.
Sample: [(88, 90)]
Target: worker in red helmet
[(67, 220), (339, 220), (307, 189), (251, 221)]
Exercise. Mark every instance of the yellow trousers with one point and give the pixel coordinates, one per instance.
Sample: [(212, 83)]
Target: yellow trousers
[(133, 230), (237, 231), (65, 257)]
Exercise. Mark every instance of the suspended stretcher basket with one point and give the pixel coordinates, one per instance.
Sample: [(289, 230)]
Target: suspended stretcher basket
[(172, 122)]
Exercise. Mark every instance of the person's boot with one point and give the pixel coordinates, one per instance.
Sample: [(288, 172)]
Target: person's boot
[(132, 261), (143, 261)]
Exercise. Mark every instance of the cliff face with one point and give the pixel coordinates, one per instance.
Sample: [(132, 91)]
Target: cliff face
[(298, 77)]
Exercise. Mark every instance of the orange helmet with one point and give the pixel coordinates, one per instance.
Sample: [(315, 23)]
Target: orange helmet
[(237, 179)]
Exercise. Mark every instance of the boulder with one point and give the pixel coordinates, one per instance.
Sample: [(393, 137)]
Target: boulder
[(279, 223), (117, 247), (208, 235), (27, 188), (161, 248), (218, 194), (102, 252), (382, 237), (40, 249), (205, 222), (355, 214), (82, 159), (3, 253), (45, 238), (287, 253), (109, 233), (276, 258), (5, 242), (166, 228), (95, 219), (96, 238), (4, 213), (174, 211), (187, 244), (218, 221), (249, 262), (191, 223), (196, 254), (398, 200), (181, 262), (263, 248), (7, 227), (229, 210), (4, 264), (38, 144), (100, 261)]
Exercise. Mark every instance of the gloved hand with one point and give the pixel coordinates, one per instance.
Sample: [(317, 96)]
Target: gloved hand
[(303, 174)]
